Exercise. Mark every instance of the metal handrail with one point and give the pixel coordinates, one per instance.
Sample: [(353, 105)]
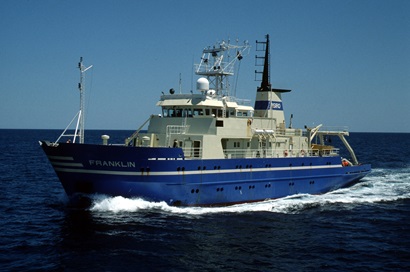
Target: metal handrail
[(196, 153), (278, 153), (135, 134)]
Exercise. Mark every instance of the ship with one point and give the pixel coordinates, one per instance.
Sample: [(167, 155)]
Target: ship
[(207, 147)]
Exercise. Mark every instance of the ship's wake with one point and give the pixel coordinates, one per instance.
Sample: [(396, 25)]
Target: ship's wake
[(382, 185)]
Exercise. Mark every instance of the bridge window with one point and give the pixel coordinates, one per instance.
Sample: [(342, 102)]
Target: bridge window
[(198, 112)]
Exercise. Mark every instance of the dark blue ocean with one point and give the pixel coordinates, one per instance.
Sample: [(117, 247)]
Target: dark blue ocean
[(365, 227)]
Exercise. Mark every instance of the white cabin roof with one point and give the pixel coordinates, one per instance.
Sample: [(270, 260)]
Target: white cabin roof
[(184, 100)]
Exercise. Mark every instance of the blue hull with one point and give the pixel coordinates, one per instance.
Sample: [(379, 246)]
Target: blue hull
[(163, 174)]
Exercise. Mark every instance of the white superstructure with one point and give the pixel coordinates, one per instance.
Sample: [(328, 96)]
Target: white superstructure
[(211, 124)]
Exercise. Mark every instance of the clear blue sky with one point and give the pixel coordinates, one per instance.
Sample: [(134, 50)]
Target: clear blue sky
[(347, 62)]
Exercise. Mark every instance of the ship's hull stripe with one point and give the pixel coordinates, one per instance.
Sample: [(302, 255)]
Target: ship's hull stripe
[(68, 164), (195, 172), (61, 158)]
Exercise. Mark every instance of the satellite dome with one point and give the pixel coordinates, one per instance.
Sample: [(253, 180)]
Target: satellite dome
[(202, 84)]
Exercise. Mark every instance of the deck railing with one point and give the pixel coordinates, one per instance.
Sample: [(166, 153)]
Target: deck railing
[(277, 153), (196, 153)]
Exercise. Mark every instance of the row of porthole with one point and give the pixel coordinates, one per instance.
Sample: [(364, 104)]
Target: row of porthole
[(219, 167), (293, 184), (250, 187), (204, 168), (142, 169), (236, 188), (240, 166)]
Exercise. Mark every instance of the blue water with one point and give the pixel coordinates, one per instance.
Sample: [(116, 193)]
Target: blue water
[(362, 228)]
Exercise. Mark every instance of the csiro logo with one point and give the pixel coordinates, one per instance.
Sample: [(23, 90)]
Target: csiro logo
[(276, 105)]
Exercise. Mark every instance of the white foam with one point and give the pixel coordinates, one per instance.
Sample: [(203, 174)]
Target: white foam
[(380, 186)]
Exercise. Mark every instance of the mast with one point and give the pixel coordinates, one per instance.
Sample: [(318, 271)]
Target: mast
[(81, 87), (218, 62), (79, 129), (265, 84)]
